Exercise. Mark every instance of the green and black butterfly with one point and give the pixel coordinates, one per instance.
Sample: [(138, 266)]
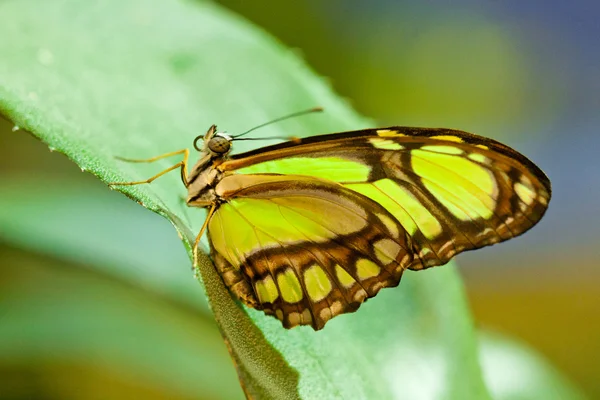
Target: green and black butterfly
[(311, 228)]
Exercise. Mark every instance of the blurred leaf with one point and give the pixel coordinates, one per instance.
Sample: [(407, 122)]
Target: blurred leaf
[(96, 80), (57, 317), (77, 223), (514, 372)]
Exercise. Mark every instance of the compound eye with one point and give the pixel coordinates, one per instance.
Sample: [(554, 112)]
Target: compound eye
[(219, 145)]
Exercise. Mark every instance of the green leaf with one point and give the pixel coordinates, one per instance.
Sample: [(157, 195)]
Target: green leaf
[(98, 80)]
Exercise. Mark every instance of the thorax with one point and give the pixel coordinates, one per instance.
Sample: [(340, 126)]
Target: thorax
[(202, 180)]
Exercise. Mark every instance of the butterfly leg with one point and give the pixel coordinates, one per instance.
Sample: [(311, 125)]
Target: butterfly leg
[(182, 164), (197, 241)]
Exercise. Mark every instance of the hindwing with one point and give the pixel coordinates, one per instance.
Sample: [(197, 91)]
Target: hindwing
[(304, 249)]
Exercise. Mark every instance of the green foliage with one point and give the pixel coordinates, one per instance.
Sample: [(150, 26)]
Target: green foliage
[(99, 80)]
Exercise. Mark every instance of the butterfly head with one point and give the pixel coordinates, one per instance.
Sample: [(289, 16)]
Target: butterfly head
[(215, 143), (220, 143)]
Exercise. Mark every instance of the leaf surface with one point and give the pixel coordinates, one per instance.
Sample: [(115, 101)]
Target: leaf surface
[(95, 80)]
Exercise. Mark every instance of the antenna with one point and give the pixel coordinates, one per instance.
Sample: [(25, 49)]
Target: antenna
[(296, 114)]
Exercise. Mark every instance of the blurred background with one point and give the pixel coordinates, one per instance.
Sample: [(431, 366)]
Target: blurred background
[(525, 73)]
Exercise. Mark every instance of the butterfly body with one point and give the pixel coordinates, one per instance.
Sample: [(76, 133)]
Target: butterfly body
[(311, 228)]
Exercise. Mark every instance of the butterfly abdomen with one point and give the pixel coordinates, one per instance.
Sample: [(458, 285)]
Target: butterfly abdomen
[(235, 281)]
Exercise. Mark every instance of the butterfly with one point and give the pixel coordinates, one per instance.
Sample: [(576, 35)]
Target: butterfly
[(311, 228)]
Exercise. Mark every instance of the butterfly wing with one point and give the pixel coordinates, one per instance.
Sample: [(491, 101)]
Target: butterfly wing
[(450, 190), (304, 249)]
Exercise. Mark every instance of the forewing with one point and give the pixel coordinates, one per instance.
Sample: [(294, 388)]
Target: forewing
[(450, 190), (304, 249)]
